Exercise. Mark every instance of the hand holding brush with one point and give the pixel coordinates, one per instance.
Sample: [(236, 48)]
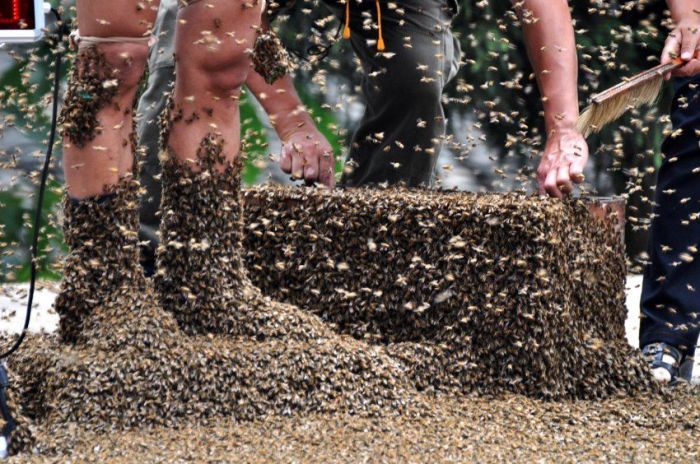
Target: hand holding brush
[(609, 105), (680, 58)]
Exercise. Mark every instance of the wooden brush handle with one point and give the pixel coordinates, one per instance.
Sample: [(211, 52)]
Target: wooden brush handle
[(633, 81)]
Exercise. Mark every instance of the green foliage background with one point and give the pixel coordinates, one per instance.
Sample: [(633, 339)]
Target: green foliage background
[(495, 87)]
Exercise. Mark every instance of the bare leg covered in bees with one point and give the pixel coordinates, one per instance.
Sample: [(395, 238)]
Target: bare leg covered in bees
[(201, 212), (212, 43), (97, 117), (200, 340), (101, 269)]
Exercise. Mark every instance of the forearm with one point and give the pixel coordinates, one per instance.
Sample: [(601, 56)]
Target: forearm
[(281, 103), (306, 153), (551, 46)]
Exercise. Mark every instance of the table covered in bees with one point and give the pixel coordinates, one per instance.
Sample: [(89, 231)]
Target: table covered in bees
[(474, 292)]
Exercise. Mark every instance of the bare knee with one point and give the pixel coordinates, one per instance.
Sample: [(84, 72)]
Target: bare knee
[(213, 43), (213, 66), (225, 77)]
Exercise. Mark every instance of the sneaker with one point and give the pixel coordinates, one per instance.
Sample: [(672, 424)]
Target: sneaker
[(665, 361)]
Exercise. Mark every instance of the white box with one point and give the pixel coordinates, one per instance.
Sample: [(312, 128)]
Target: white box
[(26, 35)]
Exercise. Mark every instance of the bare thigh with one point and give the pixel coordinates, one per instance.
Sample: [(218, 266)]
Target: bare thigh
[(116, 18)]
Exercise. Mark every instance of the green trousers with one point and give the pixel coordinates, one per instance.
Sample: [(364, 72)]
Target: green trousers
[(400, 135)]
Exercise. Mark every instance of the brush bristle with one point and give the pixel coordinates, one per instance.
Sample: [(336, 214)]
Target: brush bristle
[(597, 115)]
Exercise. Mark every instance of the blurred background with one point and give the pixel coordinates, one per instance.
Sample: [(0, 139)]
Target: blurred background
[(495, 129)]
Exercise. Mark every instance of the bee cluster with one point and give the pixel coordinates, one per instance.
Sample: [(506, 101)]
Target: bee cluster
[(92, 86), (486, 293), (444, 294), (270, 59), (475, 429), (214, 348), (201, 229)]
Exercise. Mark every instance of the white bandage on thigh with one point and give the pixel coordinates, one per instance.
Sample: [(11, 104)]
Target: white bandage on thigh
[(81, 41)]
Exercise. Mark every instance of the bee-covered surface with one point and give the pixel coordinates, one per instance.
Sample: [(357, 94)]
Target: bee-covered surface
[(473, 292), (661, 428), (640, 428), (595, 404)]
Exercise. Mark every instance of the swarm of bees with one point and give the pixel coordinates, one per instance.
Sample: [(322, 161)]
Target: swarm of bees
[(401, 308), (91, 87), (204, 344), (270, 59)]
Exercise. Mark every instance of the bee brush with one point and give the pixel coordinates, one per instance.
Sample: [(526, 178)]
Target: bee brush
[(610, 104)]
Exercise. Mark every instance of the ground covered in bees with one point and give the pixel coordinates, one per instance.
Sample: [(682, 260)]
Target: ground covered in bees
[(662, 428), (441, 326)]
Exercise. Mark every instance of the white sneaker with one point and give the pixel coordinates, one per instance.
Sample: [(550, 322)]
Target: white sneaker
[(665, 362)]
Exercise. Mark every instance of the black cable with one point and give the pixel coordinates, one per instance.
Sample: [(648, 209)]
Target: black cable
[(10, 422), (62, 29)]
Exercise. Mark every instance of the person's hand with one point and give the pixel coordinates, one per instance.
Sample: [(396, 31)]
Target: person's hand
[(564, 158), (683, 43), (306, 154)]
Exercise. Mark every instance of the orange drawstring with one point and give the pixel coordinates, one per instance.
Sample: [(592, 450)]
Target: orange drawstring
[(380, 38), (346, 31)]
